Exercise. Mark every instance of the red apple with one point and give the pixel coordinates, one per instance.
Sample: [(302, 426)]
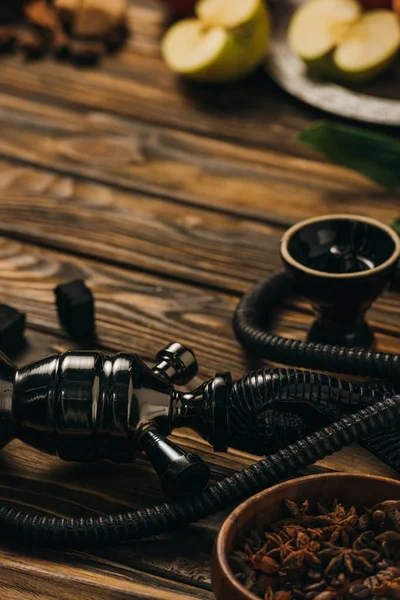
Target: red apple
[(180, 8), (373, 4)]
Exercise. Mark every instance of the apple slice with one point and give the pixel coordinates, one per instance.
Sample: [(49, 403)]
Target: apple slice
[(318, 26), (369, 46), (225, 43), (226, 13)]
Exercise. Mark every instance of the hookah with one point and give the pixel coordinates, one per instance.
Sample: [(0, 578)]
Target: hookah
[(87, 406)]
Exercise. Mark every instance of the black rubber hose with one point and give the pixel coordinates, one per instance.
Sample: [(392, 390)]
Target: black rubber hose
[(247, 324), (56, 531), (250, 332), (268, 407)]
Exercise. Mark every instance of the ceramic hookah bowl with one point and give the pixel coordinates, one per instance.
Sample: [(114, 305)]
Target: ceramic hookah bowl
[(341, 264)]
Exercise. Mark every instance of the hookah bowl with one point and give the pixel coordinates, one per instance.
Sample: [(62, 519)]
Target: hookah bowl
[(341, 264)]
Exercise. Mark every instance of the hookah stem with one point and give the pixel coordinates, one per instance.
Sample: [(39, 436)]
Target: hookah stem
[(263, 299), (76, 532)]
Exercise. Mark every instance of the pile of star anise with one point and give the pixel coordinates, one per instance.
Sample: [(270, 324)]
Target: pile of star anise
[(333, 554)]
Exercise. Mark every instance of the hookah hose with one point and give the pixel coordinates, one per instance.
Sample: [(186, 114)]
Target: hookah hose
[(263, 299), (77, 532), (251, 409), (249, 326)]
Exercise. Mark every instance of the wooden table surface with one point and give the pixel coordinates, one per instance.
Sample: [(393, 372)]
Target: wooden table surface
[(169, 199)]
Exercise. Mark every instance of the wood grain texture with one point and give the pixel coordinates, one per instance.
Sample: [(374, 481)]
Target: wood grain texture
[(156, 235), (259, 184), (254, 112), (47, 577), (217, 250), (144, 89), (169, 200), (137, 311)]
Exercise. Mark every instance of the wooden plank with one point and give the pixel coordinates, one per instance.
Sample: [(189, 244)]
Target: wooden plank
[(148, 91), (32, 481), (30, 577), (140, 311), (137, 84), (185, 168), (134, 311), (43, 483), (192, 244), (145, 233), (193, 221), (137, 231)]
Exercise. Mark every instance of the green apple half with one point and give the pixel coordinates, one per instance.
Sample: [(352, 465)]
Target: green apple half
[(369, 46), (335, 38), (318, 26), (225, 43)]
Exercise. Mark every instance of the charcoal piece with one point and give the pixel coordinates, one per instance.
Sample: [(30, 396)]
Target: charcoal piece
[(12, 326), (75, 305)]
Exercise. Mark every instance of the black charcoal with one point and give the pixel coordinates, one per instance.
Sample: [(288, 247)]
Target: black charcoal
[(12, 326), (75, 305)]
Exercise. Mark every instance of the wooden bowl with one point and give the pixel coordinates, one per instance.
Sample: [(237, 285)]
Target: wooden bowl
[(267, 507)]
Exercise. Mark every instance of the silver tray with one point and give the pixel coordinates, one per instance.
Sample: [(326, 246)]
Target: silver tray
[(376, 102)]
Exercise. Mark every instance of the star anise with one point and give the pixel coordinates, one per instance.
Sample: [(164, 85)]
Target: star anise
[(265, 564), (333, 555), (341, 530), (279, 546), (347, 560), (299, 559), (301, 553)]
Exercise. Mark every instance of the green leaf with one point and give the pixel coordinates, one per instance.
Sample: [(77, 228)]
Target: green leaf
[(375, 155)]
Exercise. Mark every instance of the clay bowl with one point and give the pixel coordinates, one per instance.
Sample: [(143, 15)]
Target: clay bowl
[(341, 264), (267, 507)]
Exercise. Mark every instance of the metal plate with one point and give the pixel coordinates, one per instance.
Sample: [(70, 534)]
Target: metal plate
[(376, 102)]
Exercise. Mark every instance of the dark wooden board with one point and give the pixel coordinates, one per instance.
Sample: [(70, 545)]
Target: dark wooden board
[(170, 200), (149, 233), (258, 183)]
